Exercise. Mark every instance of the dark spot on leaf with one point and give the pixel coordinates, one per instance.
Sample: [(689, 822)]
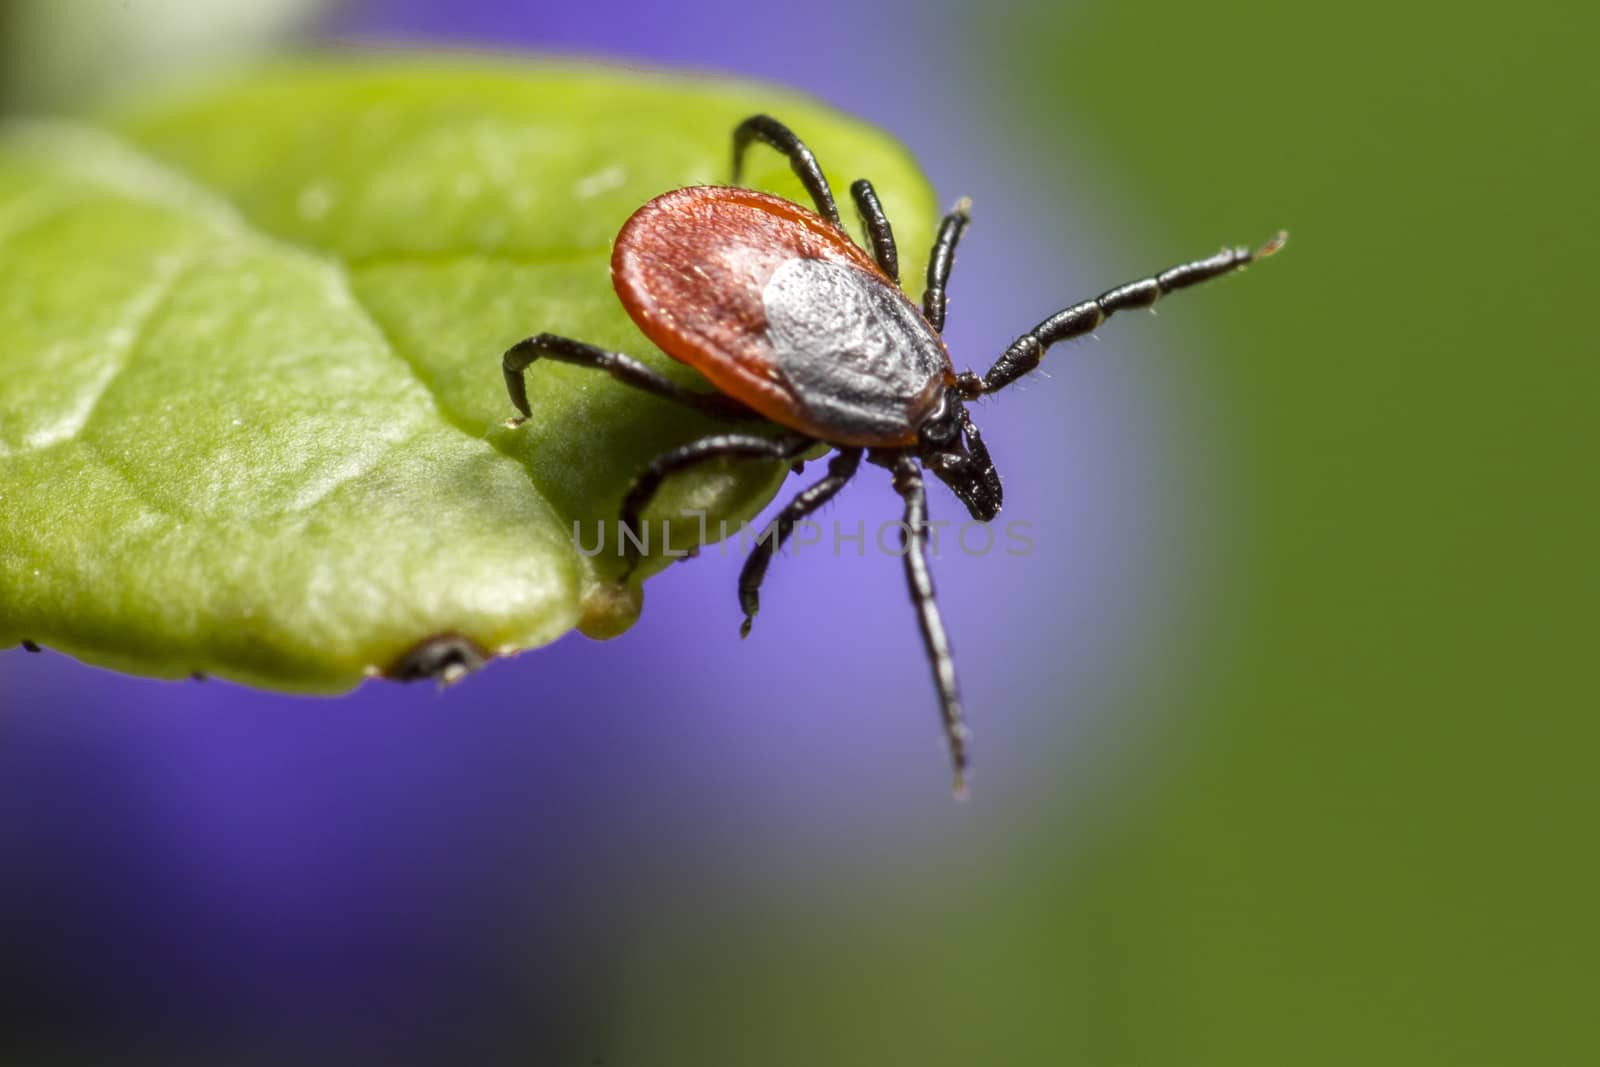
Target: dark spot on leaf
[(30, 646), (445, 658)]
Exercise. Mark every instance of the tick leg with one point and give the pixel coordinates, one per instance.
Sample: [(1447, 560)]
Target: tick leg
[(743, 446), (840, 470), (879, 231), (913, 537), (624, 369), (942, 258), (770, 131), (1026, 351)]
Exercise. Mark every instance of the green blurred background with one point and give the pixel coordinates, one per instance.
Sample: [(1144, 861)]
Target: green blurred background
[(1375, 845), (1354, 825)]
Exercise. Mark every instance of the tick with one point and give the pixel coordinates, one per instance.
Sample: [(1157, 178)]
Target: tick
[(795, 324)]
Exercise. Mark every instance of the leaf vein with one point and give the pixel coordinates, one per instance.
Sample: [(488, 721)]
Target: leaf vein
[(125, 340)]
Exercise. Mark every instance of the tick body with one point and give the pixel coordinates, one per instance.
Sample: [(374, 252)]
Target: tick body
[(782, 311), (795, 324)]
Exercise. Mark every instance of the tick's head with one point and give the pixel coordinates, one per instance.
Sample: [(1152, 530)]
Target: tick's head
[(951, 447)]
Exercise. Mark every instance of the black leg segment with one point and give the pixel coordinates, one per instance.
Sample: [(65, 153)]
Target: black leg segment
[(624, 369), (744, 446), (879, 231), (908, 483), (942, 259), (770, 131), (840, 470), (1026, 351)]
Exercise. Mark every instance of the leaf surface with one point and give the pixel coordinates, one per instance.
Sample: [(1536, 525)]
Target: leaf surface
[(252, 416)]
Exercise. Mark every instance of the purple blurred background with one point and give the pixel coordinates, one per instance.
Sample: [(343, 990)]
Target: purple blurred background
[(198, 869)]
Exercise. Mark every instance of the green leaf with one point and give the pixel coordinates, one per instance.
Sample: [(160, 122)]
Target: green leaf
[(251, 412)]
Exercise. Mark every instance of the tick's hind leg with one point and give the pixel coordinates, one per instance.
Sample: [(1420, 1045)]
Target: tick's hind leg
[(743, 446), (913, 536), (770, 131), (624, 369), (840, 469), (879, 232)]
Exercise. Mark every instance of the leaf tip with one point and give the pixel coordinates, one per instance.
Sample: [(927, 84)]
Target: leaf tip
[(609, 608)]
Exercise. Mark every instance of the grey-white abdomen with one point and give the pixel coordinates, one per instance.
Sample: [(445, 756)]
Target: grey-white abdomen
[(855, 351)]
